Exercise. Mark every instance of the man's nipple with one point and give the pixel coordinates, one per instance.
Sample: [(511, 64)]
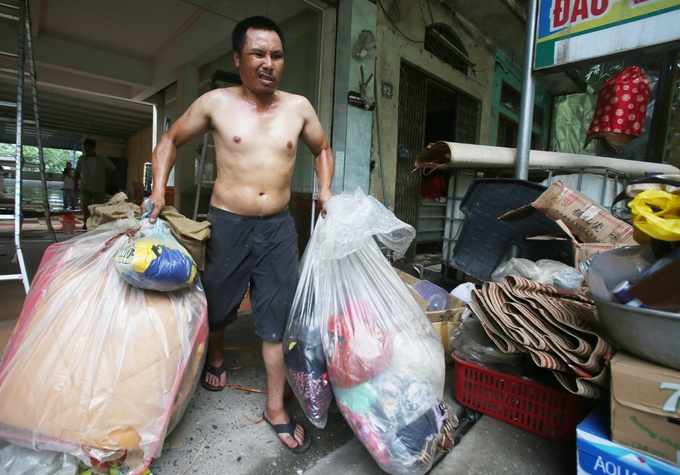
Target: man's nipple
[(289, 144), (237, 139)]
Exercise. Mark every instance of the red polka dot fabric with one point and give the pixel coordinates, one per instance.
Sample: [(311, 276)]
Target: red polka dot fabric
[(621, 107)]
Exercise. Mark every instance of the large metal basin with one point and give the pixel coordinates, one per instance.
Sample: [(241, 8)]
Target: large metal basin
[(646, 333), (649, 334)]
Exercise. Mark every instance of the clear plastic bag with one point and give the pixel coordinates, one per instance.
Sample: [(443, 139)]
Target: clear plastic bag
[(154, 260), (380, 353), (473, 345), (16, 460), (95, 367), (543, 271)]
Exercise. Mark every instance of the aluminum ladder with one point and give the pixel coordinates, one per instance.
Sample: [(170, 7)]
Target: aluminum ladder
[(201, 182), (21, 14)]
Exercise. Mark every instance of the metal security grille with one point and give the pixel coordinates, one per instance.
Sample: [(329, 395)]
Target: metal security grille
[(467, 119), (411, 134)]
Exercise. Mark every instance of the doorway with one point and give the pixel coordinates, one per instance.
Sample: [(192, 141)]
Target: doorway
[(429, 111), (440, 124)]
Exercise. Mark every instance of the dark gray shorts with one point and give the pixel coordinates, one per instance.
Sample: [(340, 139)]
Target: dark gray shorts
[(260, 251)]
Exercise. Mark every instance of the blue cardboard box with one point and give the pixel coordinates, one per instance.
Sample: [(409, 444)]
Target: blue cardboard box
[(597, 454)]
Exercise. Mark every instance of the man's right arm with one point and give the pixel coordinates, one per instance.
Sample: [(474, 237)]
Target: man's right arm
[(194, 122)]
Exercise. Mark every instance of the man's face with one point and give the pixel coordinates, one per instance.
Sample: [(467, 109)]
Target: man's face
[(88, 149), (261, 61)]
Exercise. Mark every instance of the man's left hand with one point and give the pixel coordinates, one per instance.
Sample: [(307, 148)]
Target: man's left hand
[(324, 197)]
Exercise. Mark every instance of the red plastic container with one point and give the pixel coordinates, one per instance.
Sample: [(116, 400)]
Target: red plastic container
[(548, 412)]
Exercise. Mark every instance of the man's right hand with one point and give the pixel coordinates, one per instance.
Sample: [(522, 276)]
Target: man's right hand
[(158, 203)]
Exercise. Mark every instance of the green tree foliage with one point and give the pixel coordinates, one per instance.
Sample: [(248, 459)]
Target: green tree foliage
[(55, 159)]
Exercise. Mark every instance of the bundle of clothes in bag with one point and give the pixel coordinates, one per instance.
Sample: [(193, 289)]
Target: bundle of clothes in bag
[(97, 367), (356, 334)]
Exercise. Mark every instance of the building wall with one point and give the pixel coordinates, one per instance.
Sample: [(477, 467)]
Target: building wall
[(400, 37)]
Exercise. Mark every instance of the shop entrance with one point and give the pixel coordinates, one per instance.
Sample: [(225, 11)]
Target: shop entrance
[(429, 111)]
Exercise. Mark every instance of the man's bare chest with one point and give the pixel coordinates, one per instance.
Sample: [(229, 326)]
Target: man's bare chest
[(275, 133)]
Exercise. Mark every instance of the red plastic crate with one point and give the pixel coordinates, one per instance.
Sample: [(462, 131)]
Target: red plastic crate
[(545, 411)]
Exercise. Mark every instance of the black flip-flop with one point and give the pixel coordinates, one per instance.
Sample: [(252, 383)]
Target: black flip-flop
[(290, 430), (216, 371)]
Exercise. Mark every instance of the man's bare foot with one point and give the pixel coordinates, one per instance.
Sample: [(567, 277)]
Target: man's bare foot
[(292, 434), (214, 378)]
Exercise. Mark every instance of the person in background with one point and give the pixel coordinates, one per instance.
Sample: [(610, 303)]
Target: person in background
[(91, 177), (69, 195), (253, 238)]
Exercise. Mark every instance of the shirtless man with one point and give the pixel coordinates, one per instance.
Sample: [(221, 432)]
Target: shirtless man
[(253, 239)]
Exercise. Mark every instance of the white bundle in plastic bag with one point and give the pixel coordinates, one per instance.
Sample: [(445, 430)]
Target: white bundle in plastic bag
[(363, 334)]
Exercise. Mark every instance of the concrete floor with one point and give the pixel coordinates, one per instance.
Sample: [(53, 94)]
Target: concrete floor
[(221, 432), (224, 429)]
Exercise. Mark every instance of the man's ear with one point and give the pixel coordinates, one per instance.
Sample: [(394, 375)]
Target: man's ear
[(237, 59)]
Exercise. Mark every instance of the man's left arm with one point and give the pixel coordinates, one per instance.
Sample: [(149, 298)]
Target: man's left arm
[(324, 164)]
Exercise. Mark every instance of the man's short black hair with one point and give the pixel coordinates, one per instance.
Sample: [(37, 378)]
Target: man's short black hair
[(91, 142), (238, 36)]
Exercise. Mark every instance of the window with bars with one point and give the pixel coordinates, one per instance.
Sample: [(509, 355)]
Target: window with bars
[(444, 43)]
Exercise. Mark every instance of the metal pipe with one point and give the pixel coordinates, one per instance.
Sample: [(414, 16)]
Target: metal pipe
[(472, 156), (527, 97)]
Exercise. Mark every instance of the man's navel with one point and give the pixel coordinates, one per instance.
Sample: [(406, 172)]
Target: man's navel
[(237, 139)]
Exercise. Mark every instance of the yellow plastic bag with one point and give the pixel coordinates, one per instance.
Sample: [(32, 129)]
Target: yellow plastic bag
[(657, 214)]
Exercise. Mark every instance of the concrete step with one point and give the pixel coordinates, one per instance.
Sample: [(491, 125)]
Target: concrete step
[(492, 446)]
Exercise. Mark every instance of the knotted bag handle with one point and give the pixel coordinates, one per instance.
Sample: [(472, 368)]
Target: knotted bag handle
[(649, 179)]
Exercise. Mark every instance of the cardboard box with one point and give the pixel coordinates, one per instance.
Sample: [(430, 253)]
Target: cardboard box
[(597, 454), (444, 327), (585, 250), (586, 219), (659, 290), (580, 217), (645, 407), (442, 321), (6, 329)]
